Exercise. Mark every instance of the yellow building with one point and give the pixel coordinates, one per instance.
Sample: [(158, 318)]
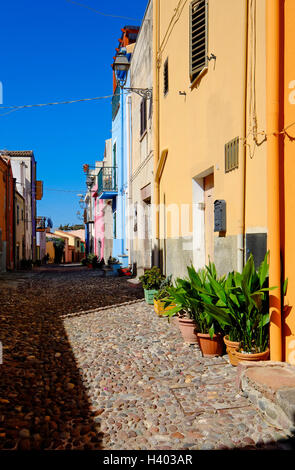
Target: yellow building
[(224, 114), (74, 253), (210, 160)]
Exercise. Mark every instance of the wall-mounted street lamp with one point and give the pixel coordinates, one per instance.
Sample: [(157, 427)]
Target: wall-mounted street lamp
[(121, 66)]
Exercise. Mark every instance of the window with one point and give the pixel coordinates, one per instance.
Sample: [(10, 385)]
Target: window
[(143, 120), (232, 155), (166, 77), (198, 37), (115, 224), (17, 215), (115, 165)]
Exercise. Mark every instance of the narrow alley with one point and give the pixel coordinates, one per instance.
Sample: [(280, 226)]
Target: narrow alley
[(87, 364)]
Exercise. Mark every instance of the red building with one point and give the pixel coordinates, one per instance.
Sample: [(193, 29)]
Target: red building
[(6, 215)]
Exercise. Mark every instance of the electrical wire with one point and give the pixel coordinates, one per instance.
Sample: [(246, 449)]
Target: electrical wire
[(177, 13), (101, 13), (15, 107)]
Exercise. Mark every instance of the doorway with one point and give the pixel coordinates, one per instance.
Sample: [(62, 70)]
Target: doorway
[(203, 218), (209, 217)]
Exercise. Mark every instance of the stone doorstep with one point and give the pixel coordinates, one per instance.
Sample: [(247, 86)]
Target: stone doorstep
[(270, 387)]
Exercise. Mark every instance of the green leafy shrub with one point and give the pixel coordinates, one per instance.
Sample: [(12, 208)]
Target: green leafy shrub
[(152, 279), (163, 289), (188, 297), (242, 308)]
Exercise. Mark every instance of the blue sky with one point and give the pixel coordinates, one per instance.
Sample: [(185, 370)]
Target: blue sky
[(56, 50)]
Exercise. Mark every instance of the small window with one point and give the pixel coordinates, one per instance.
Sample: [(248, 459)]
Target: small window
[(166, 77), (143, 120), (198, 37), (17, 215), (232, 155)]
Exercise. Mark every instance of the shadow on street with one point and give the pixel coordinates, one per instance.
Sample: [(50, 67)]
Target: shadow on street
[(43, 401)]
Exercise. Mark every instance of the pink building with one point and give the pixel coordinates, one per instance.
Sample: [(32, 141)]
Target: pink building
[(103, 213), (98, 225)]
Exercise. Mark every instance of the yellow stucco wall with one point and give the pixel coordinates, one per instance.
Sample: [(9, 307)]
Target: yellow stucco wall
[(195, 127)]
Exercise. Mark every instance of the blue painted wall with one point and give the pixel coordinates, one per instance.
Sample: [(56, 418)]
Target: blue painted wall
[(119, 138)]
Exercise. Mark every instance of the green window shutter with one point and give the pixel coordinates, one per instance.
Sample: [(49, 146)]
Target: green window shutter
[(231, 151), (198, 37)]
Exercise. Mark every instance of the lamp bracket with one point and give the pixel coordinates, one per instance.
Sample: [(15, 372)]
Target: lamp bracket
[(146, 93)]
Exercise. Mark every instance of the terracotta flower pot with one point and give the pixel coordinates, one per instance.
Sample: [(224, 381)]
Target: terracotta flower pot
[(159, 307), (263, 356), (231, 346), (188, 330), (210, 347)]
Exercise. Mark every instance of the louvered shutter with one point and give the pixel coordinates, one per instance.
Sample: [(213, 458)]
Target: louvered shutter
[(198, 37)]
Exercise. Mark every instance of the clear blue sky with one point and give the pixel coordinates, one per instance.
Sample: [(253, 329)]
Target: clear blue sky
[(55, 50)]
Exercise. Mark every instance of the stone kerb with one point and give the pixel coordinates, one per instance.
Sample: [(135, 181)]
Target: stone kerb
[(270, 387)]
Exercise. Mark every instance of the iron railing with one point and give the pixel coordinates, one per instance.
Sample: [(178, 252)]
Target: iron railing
[(107, 179), (40, 223)]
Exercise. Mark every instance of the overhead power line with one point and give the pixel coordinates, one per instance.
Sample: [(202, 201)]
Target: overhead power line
[(101, 13), (54, 103), (16, 108)]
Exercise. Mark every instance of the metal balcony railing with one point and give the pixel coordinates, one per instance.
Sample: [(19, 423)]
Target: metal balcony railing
[(40, 223), (107, 180)]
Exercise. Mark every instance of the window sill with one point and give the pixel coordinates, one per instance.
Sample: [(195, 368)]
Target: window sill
[(196, 81)]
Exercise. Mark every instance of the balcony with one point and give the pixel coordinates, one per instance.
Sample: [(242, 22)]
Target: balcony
[(107, 183), (40, 224)]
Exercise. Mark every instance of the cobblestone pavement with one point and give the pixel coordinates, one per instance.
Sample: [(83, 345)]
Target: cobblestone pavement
[(112, 377)]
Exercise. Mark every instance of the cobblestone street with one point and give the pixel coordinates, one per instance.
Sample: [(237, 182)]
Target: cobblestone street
[(80, 372)]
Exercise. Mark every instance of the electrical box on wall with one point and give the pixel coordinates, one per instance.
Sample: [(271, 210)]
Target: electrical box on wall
[(220, 216)]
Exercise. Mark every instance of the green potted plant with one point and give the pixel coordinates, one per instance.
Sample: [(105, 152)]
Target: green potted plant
[(243, 311), (196, 325), (151, 281), (160, 305), (91, 261), (209, 333)]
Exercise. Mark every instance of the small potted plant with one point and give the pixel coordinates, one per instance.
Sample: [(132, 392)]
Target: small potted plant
[(161, 305), (151, 282), (91, 261), (196, 325), (181, 296)]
